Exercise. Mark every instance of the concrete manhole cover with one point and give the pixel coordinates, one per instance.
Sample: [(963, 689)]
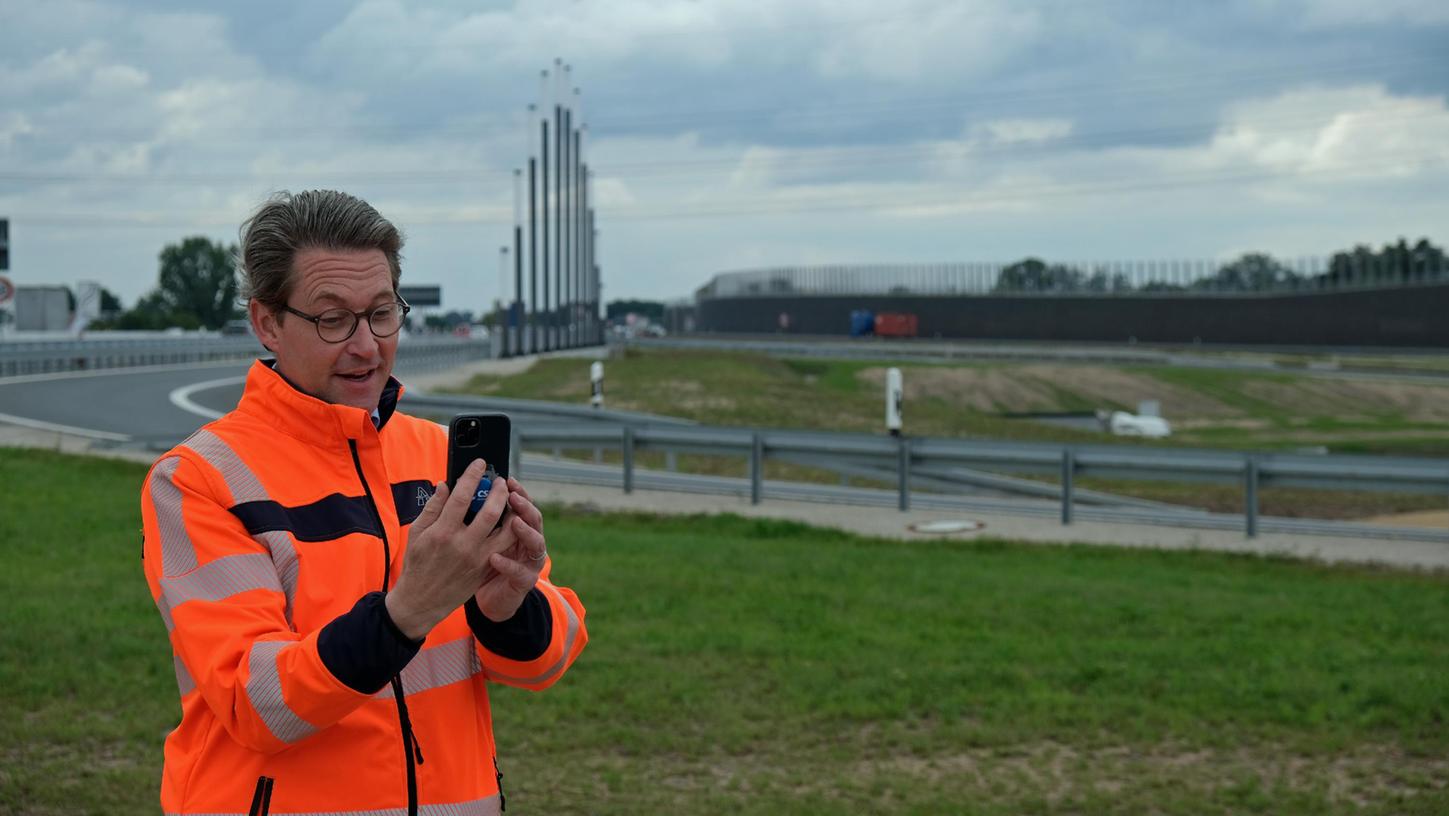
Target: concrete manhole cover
[(946, 526)]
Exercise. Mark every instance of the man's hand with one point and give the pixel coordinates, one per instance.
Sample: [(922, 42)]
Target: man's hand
[(447, 560), (513, 570)]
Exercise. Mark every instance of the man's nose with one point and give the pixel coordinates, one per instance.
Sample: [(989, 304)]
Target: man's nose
[(362, 343)]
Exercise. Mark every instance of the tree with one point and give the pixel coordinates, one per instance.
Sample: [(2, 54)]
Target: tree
[(198, 279), (1252, 272), (110, 304), (1396, 263), (1034, 275), (149, 314)]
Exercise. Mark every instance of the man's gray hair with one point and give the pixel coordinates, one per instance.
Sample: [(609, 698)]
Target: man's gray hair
[(321, 219)]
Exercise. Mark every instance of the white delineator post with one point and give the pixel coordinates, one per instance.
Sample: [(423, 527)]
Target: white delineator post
[(894, 391), (596, 376)]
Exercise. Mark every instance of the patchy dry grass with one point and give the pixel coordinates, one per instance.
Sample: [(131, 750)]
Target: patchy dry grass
[(1208, 408)]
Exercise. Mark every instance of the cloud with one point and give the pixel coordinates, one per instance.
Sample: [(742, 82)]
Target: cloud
[(925, 41), (1020, 131), (1327, 134), (1358, 12), (729, 131)]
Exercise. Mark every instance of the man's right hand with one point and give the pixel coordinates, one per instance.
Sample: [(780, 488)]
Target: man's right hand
[(446, 560)]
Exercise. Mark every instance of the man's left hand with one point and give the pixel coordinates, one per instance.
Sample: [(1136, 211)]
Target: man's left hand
[(514, 571)]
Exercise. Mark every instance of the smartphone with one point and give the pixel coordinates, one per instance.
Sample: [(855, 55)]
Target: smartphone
[(479, 436)]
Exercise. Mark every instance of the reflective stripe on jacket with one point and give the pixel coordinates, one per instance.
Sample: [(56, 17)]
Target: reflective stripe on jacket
[(261, 529)]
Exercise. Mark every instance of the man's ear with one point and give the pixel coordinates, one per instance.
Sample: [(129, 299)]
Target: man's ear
[(265, 324)]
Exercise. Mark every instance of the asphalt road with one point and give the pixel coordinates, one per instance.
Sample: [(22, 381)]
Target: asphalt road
[(146, 407), (128, 404)]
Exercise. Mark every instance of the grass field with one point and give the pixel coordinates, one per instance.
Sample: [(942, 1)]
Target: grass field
[(765, 667), (1209, 408)]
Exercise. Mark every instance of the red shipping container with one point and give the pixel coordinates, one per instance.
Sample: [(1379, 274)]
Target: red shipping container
[(895, 324)]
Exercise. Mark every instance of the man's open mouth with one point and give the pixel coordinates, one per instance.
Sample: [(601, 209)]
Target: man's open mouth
[(357, 376)]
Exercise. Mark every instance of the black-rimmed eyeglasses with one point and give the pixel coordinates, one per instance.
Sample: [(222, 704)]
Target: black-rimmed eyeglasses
[(337, 325)]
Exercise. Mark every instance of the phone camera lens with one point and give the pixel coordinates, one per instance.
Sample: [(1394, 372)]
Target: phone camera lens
[(470, 433)]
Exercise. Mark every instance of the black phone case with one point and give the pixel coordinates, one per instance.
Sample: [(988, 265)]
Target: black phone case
[(493, 447)]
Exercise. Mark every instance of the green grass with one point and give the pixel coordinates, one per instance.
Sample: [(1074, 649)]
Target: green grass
[(750, 389), (751, 666), (755, 390)]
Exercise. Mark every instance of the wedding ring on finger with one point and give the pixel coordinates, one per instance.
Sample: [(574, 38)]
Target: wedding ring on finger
[(540, 556)]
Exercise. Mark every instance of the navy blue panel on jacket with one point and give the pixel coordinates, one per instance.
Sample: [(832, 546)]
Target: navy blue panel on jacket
[(331, 517), (524, 636), (363, 647), (409, 498)]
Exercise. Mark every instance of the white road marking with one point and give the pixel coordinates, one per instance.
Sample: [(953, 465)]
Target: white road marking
[(181, 397), (42, 425)]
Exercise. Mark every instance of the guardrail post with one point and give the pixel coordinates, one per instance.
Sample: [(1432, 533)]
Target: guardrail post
[(628, 458), (903, 472), (1069, 467), (757, 467), (1250, 496)]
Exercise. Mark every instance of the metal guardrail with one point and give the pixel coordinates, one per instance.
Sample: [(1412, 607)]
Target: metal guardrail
[(19, 358), (574, 472), (905, 459), (925, 468), (446, 405)]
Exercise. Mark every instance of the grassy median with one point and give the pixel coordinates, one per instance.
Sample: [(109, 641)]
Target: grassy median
[(1242, 410), (767, 667)]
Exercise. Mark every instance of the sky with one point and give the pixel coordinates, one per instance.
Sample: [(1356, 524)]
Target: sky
[(730, 134)]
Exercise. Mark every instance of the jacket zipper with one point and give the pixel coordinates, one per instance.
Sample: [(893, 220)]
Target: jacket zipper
[(262, 797), (502, 803), (409, 741)]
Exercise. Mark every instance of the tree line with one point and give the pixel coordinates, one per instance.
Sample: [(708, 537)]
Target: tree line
[(196, 287), (1251, 272)]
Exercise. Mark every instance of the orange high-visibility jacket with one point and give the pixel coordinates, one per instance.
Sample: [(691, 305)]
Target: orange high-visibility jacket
[(270, 535)]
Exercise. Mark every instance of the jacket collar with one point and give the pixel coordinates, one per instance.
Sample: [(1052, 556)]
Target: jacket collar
[(273, 399)]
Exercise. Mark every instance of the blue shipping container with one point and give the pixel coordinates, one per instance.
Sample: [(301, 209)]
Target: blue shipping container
[(862, 323)]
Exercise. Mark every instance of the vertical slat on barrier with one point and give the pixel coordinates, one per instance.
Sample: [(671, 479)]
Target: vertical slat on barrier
[(1250, 496), (903, 472), (757, 467), (1069, 468), (515, 451), (628, 459)]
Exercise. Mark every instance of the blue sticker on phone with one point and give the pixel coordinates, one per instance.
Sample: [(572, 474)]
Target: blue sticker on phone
[(481, 494)]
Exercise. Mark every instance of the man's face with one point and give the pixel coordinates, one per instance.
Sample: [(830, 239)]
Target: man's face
[(352, 372)]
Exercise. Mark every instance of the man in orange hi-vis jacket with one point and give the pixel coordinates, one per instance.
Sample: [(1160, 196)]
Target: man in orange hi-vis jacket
[(334, 622)]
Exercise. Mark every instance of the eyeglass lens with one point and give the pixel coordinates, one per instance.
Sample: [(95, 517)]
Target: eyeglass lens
[(336, 325)]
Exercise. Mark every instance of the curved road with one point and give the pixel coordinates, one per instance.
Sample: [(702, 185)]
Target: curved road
[(119, 405), (147, 407)]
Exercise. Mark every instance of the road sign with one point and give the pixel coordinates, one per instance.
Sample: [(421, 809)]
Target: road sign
[(422, 295), (7, 290)]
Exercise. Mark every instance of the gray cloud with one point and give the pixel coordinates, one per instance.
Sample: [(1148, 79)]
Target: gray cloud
[(727, 133)]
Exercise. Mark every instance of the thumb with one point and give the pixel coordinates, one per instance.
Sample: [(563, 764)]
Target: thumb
[(432, 509)]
